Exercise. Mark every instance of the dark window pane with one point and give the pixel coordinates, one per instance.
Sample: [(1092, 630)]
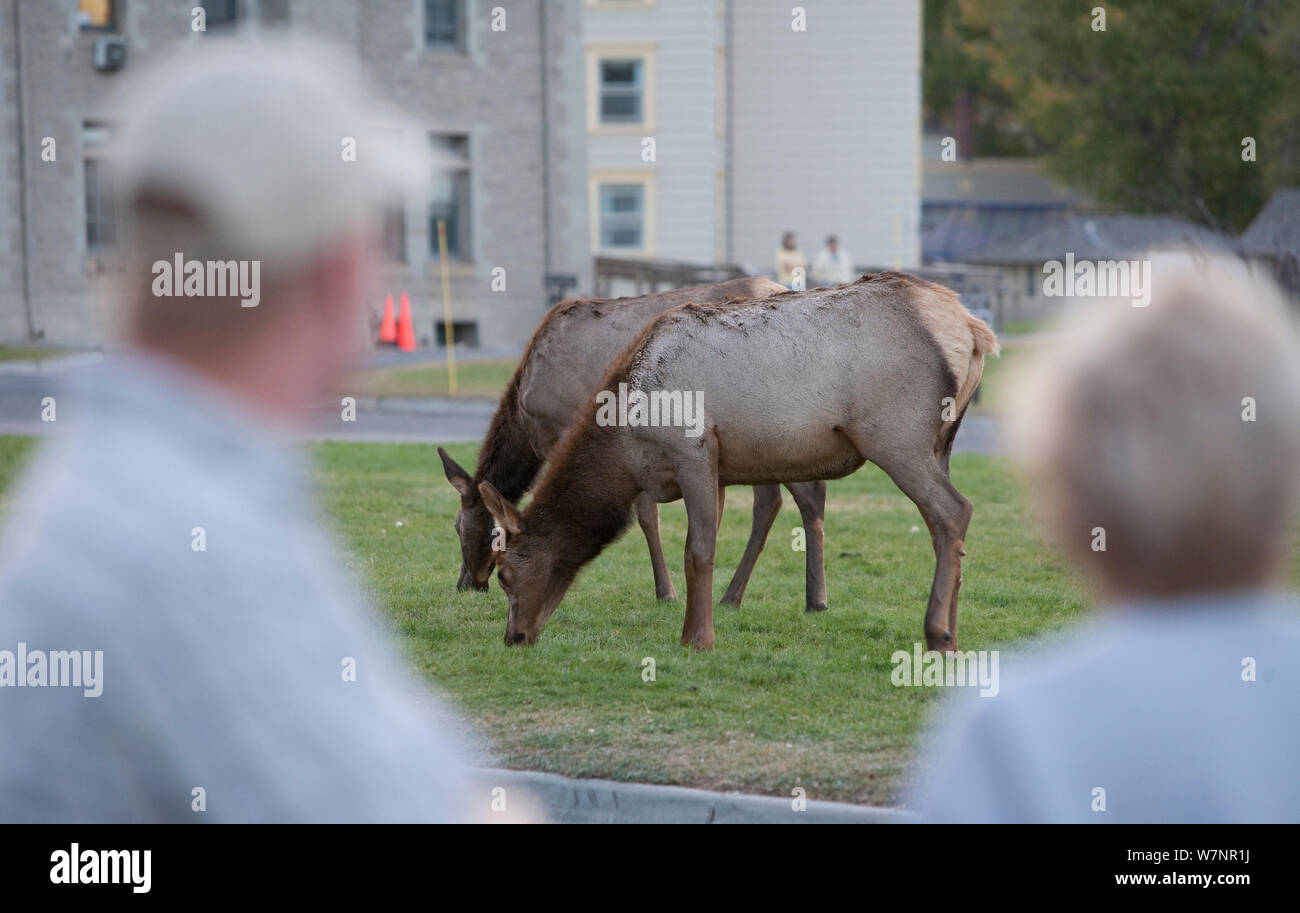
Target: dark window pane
[(221, 12), (615, 72), (101, 214), (620, 91), (442, 23), (622, 209), (450, 197), (620, 107), (394, 240)]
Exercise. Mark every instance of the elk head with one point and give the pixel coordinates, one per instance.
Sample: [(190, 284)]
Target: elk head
[(532, 577), (473, 528)]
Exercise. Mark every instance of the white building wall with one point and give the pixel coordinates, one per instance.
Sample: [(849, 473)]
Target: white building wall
[(682, 35), (826, 129)]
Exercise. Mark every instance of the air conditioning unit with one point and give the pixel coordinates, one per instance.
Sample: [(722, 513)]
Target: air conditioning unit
[(110, 53)]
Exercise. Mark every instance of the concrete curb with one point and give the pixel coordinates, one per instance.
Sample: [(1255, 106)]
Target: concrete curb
[(569, 801)]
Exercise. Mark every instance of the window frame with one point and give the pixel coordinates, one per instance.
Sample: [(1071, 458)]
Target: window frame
[(462, 13), (607, 191), (597, 55), (464, 225), (104, 212), (634, 89), (649, 226)]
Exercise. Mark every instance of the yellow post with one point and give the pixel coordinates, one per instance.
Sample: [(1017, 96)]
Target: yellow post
[(446, 308)]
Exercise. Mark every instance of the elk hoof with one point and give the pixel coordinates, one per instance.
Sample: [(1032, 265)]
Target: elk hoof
[(670, 596), (819, 607), (941, 643)]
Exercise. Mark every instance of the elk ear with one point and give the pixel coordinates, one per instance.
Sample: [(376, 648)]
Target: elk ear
[(460, 480), (505, 513)]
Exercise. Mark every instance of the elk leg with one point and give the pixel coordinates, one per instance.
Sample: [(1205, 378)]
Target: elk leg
[(647, 515), (947, 515), (811, 499), (701, 496), (767, 504)]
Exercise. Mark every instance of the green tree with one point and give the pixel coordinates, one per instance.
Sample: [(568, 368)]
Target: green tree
[(958, 92), (1150, 114)]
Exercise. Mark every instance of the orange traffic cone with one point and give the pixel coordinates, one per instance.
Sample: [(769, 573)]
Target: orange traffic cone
[(388, 329), (405, 329)]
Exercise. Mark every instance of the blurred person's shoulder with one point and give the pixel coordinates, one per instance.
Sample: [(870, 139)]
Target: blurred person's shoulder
[(1175, 640), (154, 472)]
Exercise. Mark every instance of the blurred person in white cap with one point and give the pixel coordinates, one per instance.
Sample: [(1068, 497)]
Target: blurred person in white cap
[(171, 531), (1162, 445)]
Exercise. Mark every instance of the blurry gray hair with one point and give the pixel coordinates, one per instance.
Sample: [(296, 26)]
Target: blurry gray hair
[(1135, 421)]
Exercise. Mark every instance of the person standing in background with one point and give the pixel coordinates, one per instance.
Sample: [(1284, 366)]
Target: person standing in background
[(833, 265), (788, 259)]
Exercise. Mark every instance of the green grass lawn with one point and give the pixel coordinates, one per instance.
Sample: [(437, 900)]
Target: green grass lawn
[(786, 699), (480, 379), (30, 353)]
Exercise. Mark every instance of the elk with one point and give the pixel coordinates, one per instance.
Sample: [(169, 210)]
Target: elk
[(798, 385), (561, 370)]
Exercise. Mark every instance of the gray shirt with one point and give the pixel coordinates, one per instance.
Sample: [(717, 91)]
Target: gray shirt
[(1148, 703), (224, 668)]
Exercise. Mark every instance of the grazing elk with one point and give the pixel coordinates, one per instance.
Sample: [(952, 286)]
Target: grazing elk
[(560, 372), (800, 385)]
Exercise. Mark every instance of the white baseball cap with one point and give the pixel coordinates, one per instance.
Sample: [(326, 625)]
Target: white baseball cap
[(274, 143)]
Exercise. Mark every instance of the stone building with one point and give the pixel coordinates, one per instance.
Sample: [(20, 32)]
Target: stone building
[(497, 87)]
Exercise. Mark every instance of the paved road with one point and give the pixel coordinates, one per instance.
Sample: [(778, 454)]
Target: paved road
[(389, 420)]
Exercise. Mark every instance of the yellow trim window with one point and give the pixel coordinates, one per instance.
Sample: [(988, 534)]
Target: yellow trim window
[(620, 88), (96, 14)]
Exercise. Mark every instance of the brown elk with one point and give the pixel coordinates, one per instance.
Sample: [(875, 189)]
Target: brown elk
[(800, 385), (561, 370)]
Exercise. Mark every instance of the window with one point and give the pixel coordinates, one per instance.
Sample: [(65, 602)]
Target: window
[(97, 15), (274, 12), (620, 91), (101, 213), (101, 210), (450, 201), (620, 87), (464, 331), (444, 24), (622, 216), (221, 12), (393, 241)]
